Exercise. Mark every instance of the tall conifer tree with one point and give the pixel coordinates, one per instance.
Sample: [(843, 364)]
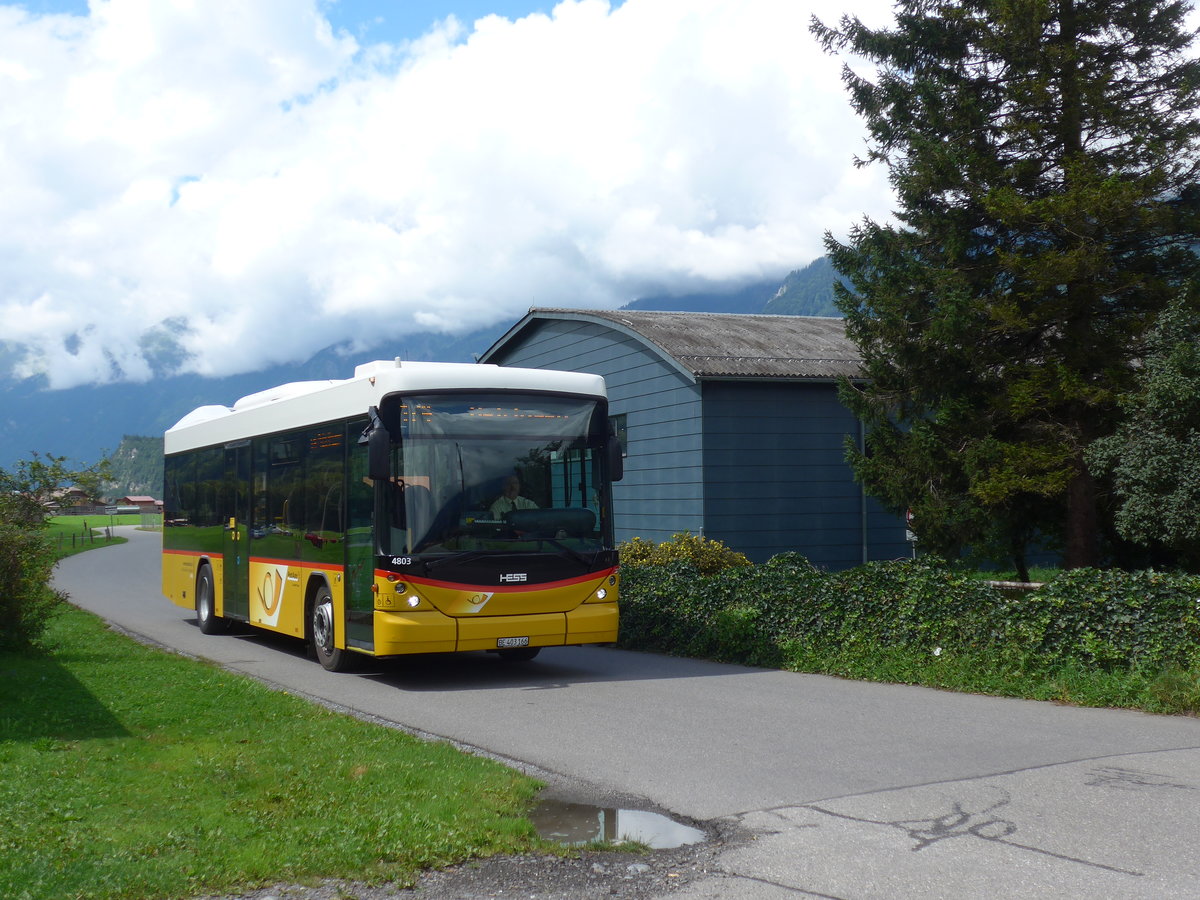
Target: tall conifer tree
[(1044, 156)]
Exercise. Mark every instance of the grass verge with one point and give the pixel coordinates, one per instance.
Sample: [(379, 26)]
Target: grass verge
[(74, 534), (1170, 692), (131, 773)]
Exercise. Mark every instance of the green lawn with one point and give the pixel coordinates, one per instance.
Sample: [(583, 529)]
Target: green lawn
[(74, 534), (99, 521), (132, 773)]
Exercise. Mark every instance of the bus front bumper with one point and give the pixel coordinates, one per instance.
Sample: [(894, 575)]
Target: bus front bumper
[(399, 633)]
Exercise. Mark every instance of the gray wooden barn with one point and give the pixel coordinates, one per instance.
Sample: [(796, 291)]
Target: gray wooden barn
[(732, 426)]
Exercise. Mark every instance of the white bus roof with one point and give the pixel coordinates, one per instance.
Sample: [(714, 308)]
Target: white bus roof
[(304, 403)]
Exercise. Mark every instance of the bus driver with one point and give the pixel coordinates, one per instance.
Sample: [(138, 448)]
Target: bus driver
[(510, 499)]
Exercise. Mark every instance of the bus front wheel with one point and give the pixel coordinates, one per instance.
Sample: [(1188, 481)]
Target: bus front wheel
[(321, 628), (206, 604)]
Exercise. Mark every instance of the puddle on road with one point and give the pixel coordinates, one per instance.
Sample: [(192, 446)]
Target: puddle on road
[(580, 823)]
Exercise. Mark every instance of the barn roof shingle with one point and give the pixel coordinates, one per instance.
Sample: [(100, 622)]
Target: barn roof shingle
[(730, 345)]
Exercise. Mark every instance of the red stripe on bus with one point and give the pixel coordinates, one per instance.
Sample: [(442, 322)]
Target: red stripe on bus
[(262, 559), (298, 563), (207, 553)]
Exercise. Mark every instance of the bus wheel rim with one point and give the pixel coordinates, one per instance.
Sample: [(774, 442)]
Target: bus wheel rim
[(204, 606), (323, 626)]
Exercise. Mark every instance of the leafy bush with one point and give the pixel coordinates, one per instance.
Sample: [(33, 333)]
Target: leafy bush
[(27, 600), (705, 555), (1153, 458), (26, 555), (919, 619)]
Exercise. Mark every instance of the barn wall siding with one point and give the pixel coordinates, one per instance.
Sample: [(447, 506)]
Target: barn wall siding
[(777, 479)]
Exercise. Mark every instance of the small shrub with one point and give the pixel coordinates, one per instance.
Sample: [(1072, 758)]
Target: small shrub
[(27, 601), (706, 556)]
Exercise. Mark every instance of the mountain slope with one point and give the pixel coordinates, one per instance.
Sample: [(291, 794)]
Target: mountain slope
[(137, 468), (750, 299), (807, 291)]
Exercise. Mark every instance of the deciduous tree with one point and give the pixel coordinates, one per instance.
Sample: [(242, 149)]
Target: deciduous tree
[(29, 490), (1154, 456)]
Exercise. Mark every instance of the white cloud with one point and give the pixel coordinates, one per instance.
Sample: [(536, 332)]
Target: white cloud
[(240, 167)]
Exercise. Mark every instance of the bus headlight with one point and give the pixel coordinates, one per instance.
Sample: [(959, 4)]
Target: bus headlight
[(601, 594), (414, 601)]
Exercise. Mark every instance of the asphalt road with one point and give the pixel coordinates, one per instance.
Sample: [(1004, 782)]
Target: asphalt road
[(844, 789)]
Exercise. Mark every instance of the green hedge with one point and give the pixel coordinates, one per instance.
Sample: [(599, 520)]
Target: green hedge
[(1111, 619), (786, 613)]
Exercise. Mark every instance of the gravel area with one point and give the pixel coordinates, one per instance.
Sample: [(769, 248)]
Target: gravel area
[(610, 874)]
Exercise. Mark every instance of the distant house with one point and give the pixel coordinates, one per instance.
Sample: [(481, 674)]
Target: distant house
[(71, 498), (144, 504), (732, 426)]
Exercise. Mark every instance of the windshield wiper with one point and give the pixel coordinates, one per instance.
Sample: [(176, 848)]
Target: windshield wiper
[(563, 549)]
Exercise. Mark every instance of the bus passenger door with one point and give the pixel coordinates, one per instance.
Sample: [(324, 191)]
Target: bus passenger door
[(236, 531), (360, 544)]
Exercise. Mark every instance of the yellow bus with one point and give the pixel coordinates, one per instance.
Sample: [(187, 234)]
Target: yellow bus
[(413, 508)]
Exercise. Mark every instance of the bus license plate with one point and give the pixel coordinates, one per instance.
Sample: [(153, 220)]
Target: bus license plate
[(512, 642)]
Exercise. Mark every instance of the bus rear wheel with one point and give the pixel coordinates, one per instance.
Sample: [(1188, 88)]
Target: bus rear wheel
[(206, 604), (322, 630)]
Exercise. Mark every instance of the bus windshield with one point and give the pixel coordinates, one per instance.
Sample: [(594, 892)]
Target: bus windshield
[(495, 473)]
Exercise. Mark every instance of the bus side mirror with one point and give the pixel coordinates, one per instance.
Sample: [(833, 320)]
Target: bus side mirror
[(378, 452), (616, 459)]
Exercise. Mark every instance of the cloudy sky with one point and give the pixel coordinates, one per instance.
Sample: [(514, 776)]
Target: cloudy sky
[(243, 182)]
